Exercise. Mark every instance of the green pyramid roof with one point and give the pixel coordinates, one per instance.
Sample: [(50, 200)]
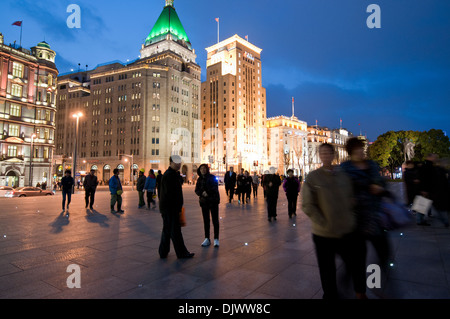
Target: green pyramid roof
[(168, 22)]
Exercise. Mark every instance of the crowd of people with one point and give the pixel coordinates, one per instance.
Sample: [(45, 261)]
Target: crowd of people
[(343, 203)]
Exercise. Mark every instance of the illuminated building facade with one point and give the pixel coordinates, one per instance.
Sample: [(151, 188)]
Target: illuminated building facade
[(287, 144), (139, 113), (27, 114), (233, 107)]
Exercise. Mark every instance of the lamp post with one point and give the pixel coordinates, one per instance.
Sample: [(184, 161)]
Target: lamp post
[(74, 166), (132, 168), (30, 180)]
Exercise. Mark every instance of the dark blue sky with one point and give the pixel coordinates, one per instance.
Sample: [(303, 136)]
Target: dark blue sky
[(321, 52)]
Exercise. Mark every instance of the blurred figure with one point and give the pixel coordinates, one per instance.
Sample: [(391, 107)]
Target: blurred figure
[(158, 182), (434, 185), (240, 182), (140, 187), (369, 187), (67, 183), (327, 199), (207, 189), (272, 184), (90, 186), (255, 184), (291, 186), (411, 180), (248, 180), (150, 187)]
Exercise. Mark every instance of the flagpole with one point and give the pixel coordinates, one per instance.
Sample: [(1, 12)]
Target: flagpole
[(21, 24), (218, 29)]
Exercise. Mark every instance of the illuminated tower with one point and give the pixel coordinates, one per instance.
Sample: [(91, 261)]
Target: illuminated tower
[(234, 107)]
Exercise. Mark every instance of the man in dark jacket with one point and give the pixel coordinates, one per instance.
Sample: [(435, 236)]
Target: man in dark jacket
[(67, 183), (291, 186), (207, 189), (170, 206), (272, 184), (230, 182), (90, 185), (158, 182), (140, 184)]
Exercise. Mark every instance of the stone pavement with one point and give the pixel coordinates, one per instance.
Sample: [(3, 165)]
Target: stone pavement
[(118, 254)]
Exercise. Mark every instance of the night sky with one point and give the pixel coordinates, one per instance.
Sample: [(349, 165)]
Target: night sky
[(320, 52)]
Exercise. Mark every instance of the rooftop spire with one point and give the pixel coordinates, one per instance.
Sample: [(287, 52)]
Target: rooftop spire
[(169, 3)]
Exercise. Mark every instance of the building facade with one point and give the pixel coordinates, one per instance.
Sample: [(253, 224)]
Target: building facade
[(136, 114), (233, 107), (287, 144), (27, 114)]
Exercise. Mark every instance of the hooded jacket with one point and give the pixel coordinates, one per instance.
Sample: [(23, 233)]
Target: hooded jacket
[(207, 183)]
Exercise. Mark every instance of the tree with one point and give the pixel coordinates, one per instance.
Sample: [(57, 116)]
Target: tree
[(433, 141), (385, 151)]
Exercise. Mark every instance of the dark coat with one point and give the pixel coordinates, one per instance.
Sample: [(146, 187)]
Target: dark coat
[(171, 193), (230, 181), (272, 184), (410, 175), (291, 186), (67, 183), (209, 184), (140, 183), (90, 182)]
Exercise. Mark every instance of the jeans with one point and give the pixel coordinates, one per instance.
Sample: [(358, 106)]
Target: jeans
[(141, 198), (89, 197), (150, 198), (214, 209), (67, 193)]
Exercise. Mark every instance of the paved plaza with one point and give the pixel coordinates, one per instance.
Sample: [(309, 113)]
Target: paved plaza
[(118, 254)]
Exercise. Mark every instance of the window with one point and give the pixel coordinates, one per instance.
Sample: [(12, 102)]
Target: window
[(16, 90), (15, 110), (17, 70), (13, 130), (12, 151)]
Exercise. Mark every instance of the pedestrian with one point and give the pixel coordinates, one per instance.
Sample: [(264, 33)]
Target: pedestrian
[(230, 183), (369, 187), (272, 184), (207, 189), (116, 190), (140, 187), (67, 183), (240, 182), (170, 206), (291, 186), (255, 184), (434, 186), (158, 182), (150, 185), (411, 181), (248, 180), (90, 186), (327, 199)]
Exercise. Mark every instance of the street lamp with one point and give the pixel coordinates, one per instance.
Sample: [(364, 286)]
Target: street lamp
[(132, 168), (77, 116), (30, 180)]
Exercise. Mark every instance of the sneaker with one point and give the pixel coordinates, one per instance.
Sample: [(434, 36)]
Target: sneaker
[(121, 211), (113, 211), (216, 243), (206, 242)]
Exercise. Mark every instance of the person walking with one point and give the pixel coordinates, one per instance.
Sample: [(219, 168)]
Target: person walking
[(248, 180), (158, 182), (291, 186), (369, 188), (140, 187), (90, 186), (207, 189), (272, 184), (255, 184), (333, 225), (411, 180), (433, 184), (240, 182), (150, 187), (116, 190), (67, 183), (230, 183), (170, 206)]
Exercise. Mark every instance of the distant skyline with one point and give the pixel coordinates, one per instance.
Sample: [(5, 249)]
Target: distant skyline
[(320, 52)]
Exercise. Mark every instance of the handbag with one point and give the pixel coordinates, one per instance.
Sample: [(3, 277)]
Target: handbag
[(119, 192), (421, 204), (182, 217), (394, 215)]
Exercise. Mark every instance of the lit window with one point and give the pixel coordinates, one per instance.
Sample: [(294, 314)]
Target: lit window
[(16, 90), (17, 70), (15, 110)]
